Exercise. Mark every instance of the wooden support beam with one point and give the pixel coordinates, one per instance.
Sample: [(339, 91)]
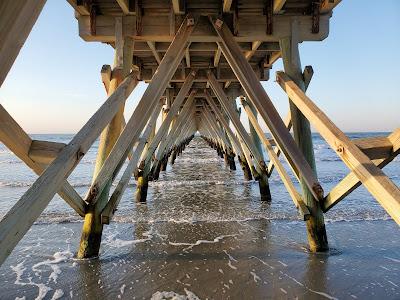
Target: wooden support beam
[(154, 51), (223, 99), (226, 7), (375, 147), (248, 56), (351, 181), (376, 182), (144, 108), (176, 105), (176, 7), (16, 22), (252, 28), (258, 96), (18, 141), (187, 57), (124, 4), (278, 5), (217, 57), (234, 140), (303, 210), (23, 214), (307, 76), (80, 6), (111, 206), (106, 76), (316, 232)]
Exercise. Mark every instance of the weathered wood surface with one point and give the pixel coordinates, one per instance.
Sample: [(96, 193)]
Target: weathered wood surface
[(23, 214), (376, 182)]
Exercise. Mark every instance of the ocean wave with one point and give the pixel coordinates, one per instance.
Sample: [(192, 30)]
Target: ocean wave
[(15, 184), (59, 218)]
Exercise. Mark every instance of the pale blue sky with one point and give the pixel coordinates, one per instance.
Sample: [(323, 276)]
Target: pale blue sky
[(54, 85)]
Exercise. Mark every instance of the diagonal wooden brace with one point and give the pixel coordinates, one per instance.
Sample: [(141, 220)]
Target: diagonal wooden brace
[(265, 107), (376, 182)]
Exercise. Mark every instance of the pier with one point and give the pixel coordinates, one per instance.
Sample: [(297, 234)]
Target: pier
[(198, 57)]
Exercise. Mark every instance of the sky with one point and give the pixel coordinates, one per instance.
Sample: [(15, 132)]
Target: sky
[(54, 85)]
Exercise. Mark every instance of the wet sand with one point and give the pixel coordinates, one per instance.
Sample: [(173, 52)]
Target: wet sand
[(205, 234), (255, 259)]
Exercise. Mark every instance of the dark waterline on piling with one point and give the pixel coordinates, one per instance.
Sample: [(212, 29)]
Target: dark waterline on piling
[(205, 233)]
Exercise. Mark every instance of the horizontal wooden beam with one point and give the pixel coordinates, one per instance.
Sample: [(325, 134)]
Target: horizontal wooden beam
[(278, 5), (376, 182), (251, 28), (351, 181), (18, 141), (375, 147), (221, 74), (44, 152)]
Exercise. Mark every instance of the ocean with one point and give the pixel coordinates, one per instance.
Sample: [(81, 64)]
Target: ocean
[(204, 234)]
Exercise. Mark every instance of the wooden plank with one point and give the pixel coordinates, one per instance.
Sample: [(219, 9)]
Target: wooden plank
[(303, 210), (23, 214), (144, 109), (154, 51), (278, 5), (226, 6), (111, 206), (124, 4), (376, 182), (16, 22), (187, 57), (351, 181), (252, 28), (44, 152), (106, 76), (175, 7), (258, 96), (18, 141), (375, 147), (217, 57)]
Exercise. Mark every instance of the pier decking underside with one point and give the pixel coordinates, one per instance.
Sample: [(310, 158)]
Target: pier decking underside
[(198, 58)]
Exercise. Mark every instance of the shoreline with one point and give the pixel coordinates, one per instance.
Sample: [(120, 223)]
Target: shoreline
[(252, 259)]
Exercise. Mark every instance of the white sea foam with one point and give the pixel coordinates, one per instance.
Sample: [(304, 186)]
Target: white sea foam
[(174, 296), (199, 242)]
